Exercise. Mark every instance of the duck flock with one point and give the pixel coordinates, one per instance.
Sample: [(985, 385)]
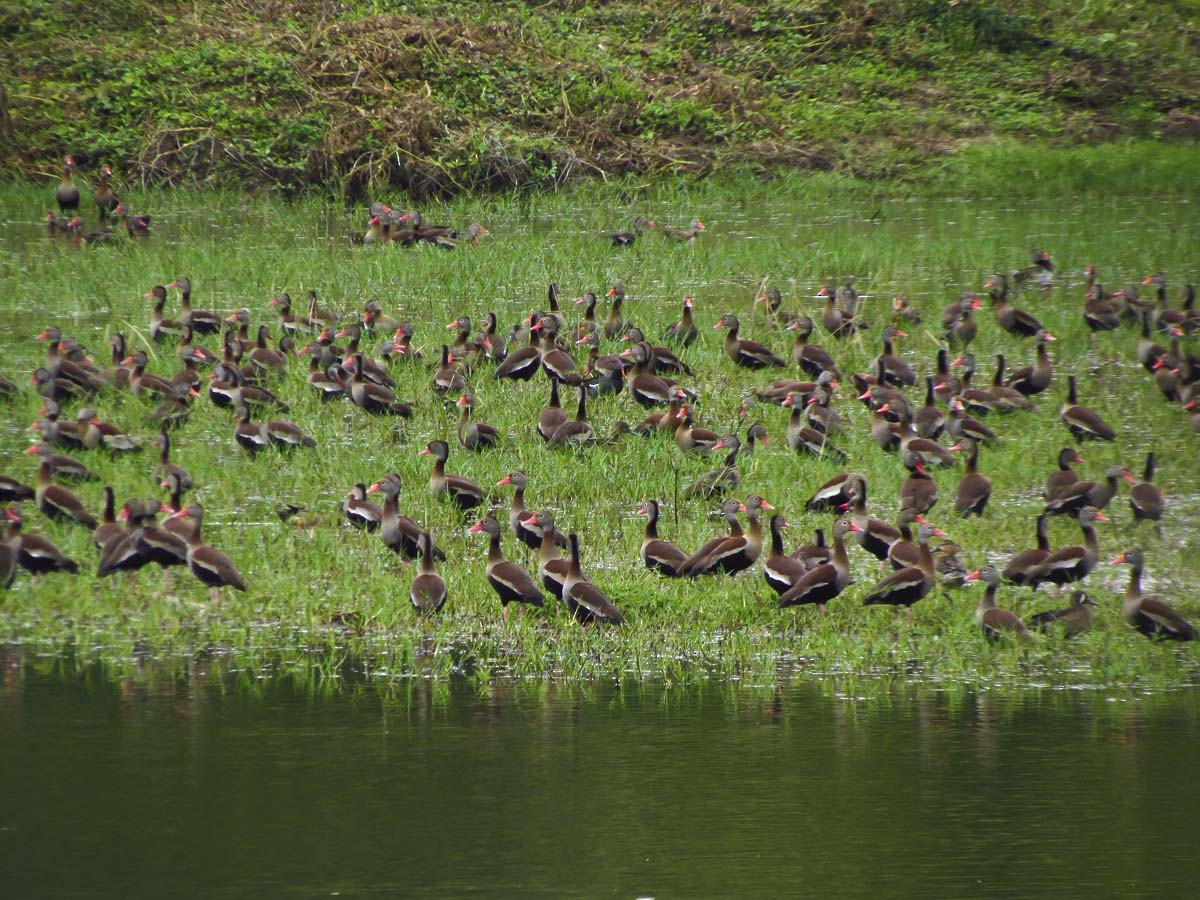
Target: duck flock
[(244, 361)]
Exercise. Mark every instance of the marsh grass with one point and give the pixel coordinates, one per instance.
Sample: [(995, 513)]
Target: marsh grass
[(323, 595)]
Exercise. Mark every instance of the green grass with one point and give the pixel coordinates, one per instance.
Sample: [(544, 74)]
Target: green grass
[(239, 251), (505, 96)]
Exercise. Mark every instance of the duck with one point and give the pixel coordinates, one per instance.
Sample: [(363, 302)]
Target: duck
[(359, 511), (812, 359), (688, 234), (161, 328), (1022, 568), (208, 564), (907, 586), (1145, 499), (552, 568), (1006, 399), (874, 535), (894, 370), (1073, 497), (905, 551), (56, 502), (614, 322), (511, 583), (550, 418), (12, 490), (1034, 379), (522, 364), (586, 602), (105, 197), (461, 492), (1073, 619), (904, 313), (577, 432), (835, 493), (666, 362), (646, 388), (1146, 614), (723, 478), (141, 382), (278, 433), (556, 363), (1011, 318), (1040, 271), (825, 581), (427, 593), (34, 553), (1064, 476), (399, 533), (746, 353), (690, 438), (60, 467), (289, 322), (736, 552), (780, 569), (960, 425), (684, 332), (928, 421), (657, 554), (109, 528), (628, 238), (992, 620), (1074, 563), (474, 435), (203, 321), (803, 438), (67, 193), (820, 415), (1083, 422), (974, 490), (373, 399), (528, 535), (729, 512), (918, 490)]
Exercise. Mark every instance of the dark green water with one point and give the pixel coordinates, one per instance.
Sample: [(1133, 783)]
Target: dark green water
[(210, 783)]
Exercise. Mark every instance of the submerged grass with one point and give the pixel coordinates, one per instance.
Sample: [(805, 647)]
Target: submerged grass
[(324, 596)]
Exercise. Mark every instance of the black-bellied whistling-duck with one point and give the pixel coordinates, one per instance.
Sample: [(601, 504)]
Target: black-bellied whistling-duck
[(775, 315), (627, 238), (109, 528), (960, 425), (375, 233), (56, 502), (428, 590), (141, 382), (8, 563), (372, 398), (588, 301), (608, 370), (729, 512), (586, 602), (1007, 399), (318, 316), (1073, 563), (464, 343), (803, 438), (67, 194), (203, 321), (974, 490), (825, 581), (1081, 421), (746, 353), (723, 478), (555, 362), (816, 553), (576, 432), (1034, 379), (550, 418), (928, 421), (175, 487), (511, 583), (1071, 498), (873, 535), (1040, 271), (474, 435), (1022, 568), (904, 587), (685, 234), (895, 370), (647, 388), (820, 415), (527, 534), (1073, 619), (1101, 310), (34, 553), (136, 226), (781, 570), (1064, 475), (1147, 614), (1148, 352), (1010, 318), (952, 313), (494, 346), (264, 359), (1145, 499), (60, 466), (190, 352), (614, 322), (684, 332), (462, 492), (736, 552), (359, 511), (977, 400), (992, 620), (918, 490), (689, 437), (834, 493), (552, 568), (657, 554), (12, 490), (398, 531), (228, 387), (905, 551), (903, 312), (153, 543), (161, 328), (666, 362), (207, 563), (951, 573), (289, 322), (523, 363), (809, 357), (165, 467), (104, 195), (255, 436)]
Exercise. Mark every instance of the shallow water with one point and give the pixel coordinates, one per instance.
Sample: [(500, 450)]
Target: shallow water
[(217, 783)]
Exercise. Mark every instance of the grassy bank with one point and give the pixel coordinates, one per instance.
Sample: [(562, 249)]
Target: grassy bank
[(323, 594), (360, 96)]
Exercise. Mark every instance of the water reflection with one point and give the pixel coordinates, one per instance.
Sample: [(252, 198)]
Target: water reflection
[(204, 779)]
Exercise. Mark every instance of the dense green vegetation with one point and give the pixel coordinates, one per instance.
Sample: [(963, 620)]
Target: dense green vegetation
[(326, 592), (356, 96)]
